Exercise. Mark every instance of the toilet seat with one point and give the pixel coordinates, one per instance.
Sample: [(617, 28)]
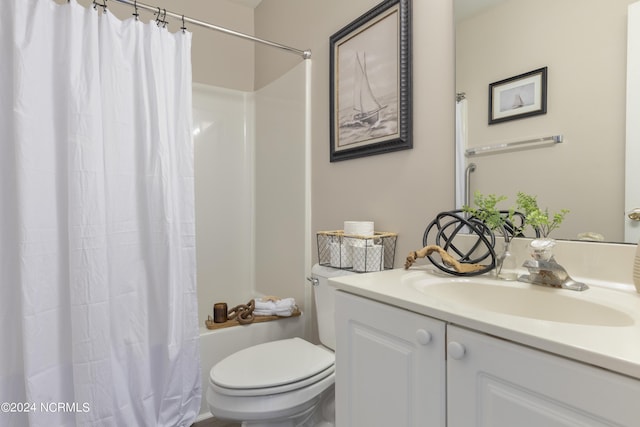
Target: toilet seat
[(273, 390), (272, 367)]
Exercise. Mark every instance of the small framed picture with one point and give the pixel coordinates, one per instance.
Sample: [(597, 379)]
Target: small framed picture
[(370, 83), (518, 97)]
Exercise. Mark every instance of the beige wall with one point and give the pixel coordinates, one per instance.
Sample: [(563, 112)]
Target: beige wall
[(285, 22), (583, 44), (400, 191)]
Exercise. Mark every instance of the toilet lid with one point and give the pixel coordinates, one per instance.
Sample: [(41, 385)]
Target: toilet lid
[(271, 364)]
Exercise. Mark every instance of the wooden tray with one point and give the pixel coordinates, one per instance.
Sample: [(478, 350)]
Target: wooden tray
[(210, 324)]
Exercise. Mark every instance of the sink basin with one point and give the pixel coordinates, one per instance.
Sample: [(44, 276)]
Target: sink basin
[(530, 302)]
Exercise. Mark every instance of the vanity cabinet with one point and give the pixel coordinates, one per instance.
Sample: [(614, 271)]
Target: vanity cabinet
[(391, 365), (496, 383)]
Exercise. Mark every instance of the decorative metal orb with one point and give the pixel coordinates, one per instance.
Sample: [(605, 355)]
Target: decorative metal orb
[(478, 247)]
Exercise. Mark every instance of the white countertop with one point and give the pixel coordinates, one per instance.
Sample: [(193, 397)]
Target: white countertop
[(616, 348)]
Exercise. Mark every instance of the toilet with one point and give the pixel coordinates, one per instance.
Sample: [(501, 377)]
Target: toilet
[(286, 382)]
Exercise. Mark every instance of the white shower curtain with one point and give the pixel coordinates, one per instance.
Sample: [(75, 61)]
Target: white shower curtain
[(98, 310), (461, 145)]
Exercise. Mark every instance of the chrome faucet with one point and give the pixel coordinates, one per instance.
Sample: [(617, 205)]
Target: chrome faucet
[(550, 273)]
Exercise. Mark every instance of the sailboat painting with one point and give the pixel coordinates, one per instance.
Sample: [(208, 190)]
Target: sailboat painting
[(368, 102), (518, 97), (365, 105), (367, 92)]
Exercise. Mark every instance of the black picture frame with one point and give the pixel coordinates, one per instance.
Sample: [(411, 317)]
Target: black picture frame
[(371, 83), (517, 97)]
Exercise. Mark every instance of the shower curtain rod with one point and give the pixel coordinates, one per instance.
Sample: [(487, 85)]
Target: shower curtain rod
[(305, 54)]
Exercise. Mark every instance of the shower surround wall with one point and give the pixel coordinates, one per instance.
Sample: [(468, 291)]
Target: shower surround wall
[(224, 162), (251, 192)]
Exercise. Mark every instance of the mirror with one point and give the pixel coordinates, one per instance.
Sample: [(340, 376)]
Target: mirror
[(583, 44)]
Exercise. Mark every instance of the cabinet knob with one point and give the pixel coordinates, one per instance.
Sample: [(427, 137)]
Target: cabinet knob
[(456, 350), (423, 337)]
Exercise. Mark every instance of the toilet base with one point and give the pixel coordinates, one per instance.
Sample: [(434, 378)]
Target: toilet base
[(319, 412)]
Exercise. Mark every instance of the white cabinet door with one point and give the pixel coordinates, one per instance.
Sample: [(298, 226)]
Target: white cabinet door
[(390, 366), (495, 383)]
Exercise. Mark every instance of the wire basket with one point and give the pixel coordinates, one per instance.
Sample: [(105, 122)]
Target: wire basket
[(357, 253)]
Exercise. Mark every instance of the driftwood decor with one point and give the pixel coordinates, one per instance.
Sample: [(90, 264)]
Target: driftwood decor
[(447, 259)]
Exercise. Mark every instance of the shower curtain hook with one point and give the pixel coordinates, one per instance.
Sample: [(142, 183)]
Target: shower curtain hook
[(103, 5), (135, 10), (183, 28), (161, 19)]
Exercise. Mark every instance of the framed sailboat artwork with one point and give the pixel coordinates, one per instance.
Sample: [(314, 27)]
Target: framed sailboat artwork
[(370, 84), (517, 97)]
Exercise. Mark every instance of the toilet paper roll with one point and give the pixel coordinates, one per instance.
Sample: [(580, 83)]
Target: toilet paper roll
[(359, 228), (340, 255), (368, 258)]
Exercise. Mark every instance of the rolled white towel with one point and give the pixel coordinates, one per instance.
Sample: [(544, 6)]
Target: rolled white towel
[(285, 303), (268, 307), (263, 313), (285, 307), (285, 312)]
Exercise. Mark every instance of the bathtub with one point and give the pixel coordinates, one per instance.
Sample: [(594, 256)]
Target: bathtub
[(217, 344)]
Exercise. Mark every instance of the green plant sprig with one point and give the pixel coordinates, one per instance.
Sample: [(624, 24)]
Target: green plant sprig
[(538, 218), (486, 211)]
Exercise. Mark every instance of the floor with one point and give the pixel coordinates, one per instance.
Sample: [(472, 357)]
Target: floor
[(215, 423)]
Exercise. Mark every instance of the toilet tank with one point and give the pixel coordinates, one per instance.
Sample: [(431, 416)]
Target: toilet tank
[(324, 296)]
